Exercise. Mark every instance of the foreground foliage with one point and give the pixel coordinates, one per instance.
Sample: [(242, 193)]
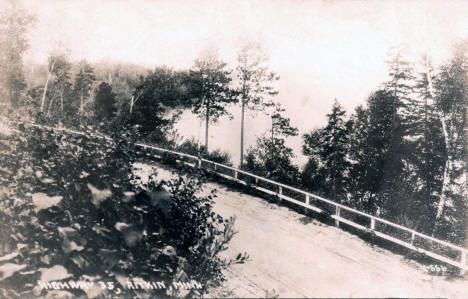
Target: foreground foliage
[(71, 210)]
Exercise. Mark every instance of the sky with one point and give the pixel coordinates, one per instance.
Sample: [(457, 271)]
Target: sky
[(322, 50)]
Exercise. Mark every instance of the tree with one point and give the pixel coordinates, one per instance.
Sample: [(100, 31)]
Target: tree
[(51, 65), (13, 43), (330, 145), (211, 85), (83, 85), (312, 176), (451, 94), (123, 86), (280, 125), (123, 78), (272, 159), (400, 71), (375, 165), (428, 149), (162, 94), (105, 102), (60, 67), (400, 181), (62, 78), (255, 80), (363, 179)]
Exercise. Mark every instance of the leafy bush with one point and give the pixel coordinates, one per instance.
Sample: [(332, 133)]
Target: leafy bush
[(272, 160), (190, 146), (70, 210), (219, 157)]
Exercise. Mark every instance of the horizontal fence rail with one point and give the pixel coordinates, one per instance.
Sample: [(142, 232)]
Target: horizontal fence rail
[(453, 255), (234, 174)]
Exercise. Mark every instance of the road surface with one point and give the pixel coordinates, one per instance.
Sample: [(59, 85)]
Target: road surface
[(294, 256)]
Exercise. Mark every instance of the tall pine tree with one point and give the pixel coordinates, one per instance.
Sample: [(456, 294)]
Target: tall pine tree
[(254, 79), (330, 145), (105, 104), (397, 186), (211, 85)]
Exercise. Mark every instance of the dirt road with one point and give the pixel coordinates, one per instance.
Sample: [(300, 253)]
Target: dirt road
[(293, 256)]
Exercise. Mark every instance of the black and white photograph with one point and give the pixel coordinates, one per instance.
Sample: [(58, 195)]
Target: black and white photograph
[(233, 149)]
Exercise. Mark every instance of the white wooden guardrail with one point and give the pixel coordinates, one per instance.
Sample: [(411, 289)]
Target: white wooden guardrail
[(233, 174), (338, 209)]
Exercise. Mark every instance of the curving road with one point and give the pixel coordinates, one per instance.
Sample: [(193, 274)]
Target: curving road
[(293, 256)]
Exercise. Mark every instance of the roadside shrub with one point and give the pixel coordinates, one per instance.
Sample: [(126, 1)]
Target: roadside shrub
[(190, 146), (219, 157), (69, 211), (272, 160)]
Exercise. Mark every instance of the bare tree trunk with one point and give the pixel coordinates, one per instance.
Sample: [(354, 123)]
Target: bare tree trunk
[(45, 91), (207, 122), (133, 100), (50, 105), (61, 100), (466, 174), (447, 170), (448, 164), (272, 132), (199, 130), (131, 105), (242, 135), (46, 84)]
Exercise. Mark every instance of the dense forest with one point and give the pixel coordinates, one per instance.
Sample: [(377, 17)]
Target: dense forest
[(402, 155)]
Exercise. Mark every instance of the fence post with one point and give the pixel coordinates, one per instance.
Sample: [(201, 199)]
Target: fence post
[(214, 166), (307, 202), (235, 174), (337, 213), (280, 192), (412, 238), (463, 262), (199, 162), (372, 223), (256, 180)]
